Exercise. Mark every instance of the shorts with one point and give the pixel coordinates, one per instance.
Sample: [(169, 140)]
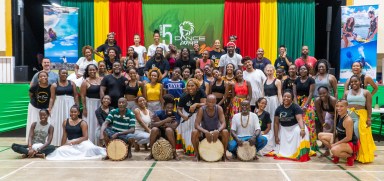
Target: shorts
[(354, 147)]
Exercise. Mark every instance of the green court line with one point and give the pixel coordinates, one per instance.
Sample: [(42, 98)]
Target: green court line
[(341, 167), (149, 171), (5, 149)]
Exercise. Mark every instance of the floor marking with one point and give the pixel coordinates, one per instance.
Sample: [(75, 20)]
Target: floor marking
[(341, 167), (283, 172), (369, 173), (5, 149), (9, 174), (149, 171), (182, 173)]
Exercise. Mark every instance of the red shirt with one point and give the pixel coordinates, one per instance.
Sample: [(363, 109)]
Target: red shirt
[(311, 62)]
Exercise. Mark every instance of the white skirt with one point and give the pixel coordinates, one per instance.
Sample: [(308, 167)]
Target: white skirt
[(291, 143), (272, 104), (270, 144), (59, 113), (154, 106), (86, 150), (185, 130), (92, 105), (33, 116), (77, 81)]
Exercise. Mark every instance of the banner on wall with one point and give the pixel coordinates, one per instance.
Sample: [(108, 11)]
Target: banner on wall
[(359, 32), (61, 36), (183, 24)]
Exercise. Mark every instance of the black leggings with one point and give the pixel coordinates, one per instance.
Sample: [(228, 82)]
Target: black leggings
[(23, 149)]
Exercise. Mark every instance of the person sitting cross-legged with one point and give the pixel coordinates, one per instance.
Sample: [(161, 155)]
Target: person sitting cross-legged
[(246, 127)]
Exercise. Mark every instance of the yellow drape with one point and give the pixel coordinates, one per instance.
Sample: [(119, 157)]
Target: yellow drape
[(268, 29), (8, 28), (101, 23)]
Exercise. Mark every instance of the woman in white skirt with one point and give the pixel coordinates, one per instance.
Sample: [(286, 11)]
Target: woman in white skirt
[(75, 144), (39, 95), (63, 96), (265, 126), (291, 134), (272, 91), (153, 91), (189, 102), (81, 64), (143, 118), (90, 98)]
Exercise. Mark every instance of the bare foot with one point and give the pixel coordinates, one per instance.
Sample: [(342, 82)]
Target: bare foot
[(256, 158), (325, 154), (175, 156), (24, 156), (149, 157), (40, 155), (146, 147), (129, 153), (196, 159), (224, 158), (137, 147)]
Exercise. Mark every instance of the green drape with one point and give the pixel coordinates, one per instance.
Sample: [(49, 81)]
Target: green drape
[(86, 21), (296, 22)]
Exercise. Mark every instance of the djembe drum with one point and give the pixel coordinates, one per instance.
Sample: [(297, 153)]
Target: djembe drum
[(211, 152), (246, 152), (162, 150), (117, 150)]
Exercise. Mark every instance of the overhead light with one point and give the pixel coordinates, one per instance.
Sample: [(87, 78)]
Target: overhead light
[(56, 5)]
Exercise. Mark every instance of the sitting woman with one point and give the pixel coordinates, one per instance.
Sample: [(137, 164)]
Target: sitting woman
[(75, 143), (291, 134), (102, 114), (346, 144), (164, 124), (241, 91), (39, 139), (265, 125), (143, 118)]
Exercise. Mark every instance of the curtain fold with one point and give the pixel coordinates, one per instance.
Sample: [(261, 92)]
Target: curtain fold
[(86, 24), (268, 29), (101, 23), (241, 18), (126, 20), (296, 22)]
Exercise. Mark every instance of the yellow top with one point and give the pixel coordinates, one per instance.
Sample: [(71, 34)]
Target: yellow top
[(153, 92)]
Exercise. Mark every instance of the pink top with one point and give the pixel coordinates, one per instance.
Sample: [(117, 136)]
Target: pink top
[(202, 63), (311, 61)]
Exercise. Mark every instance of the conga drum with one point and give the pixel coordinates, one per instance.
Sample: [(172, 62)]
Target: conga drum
[(117, 150), (246, 152), (211, 152), (162, 150)]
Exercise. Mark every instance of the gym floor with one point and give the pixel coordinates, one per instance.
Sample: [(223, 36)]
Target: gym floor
[(12, 167)]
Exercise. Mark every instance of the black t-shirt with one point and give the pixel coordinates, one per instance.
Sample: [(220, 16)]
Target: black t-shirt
[(191, 64), (109, 64), (280, 62), (163, 65), (302, 89), (187, 100), (264, 120), (215, 56), (287, 116), (40, 97), (104, 47), (195, 56), (114, 88), (288, 84)]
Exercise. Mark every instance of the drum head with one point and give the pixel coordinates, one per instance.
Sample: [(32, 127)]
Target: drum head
[(117, 150), (246, 152), (162, 150), (211, 152)]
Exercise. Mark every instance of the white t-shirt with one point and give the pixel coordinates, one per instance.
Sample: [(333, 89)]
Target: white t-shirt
[(226, 59), (152, 49), (250, 129), (256, 79), (83, 63), (140, 50)]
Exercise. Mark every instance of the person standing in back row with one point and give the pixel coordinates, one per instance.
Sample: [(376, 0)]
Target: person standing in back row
[(260, 61), (230, 57), (306, 59), (113, 84)]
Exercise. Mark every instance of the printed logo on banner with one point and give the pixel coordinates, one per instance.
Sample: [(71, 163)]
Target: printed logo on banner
[(185, 37)]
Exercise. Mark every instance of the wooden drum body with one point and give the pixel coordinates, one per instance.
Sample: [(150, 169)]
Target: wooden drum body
[(117, 150), (246, 152), (162, 150), (211, 152)]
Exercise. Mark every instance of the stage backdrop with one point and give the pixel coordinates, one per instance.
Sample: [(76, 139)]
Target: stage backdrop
[(61, 35), (184, 23), (359, 27)]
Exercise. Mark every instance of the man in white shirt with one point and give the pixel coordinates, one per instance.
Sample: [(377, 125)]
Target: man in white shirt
[(230, 57), (246, 127), (257, 78)]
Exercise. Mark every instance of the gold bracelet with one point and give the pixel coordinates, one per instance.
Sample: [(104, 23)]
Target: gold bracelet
[(324, 124)]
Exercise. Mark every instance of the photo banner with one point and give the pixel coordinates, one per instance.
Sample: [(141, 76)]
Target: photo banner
[(61, 36), (183, 23), (359, 32)]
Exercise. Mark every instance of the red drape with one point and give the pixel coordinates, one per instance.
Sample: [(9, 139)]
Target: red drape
[(241, 18), (126, 20)]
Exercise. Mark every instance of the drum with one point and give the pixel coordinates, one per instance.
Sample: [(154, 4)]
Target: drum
[(117, 150), (162, 150), (211, 152), (246, 152)]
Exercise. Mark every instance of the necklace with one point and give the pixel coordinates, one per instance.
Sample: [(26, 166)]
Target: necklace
[(241, 120)]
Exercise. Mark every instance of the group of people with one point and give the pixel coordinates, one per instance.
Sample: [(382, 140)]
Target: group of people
[(184, 97)]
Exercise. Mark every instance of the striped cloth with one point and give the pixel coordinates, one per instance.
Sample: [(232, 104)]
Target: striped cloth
[(121, 123)]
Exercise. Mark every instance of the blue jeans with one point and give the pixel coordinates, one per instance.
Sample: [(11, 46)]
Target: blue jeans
[(261, 141), (110, 132)]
